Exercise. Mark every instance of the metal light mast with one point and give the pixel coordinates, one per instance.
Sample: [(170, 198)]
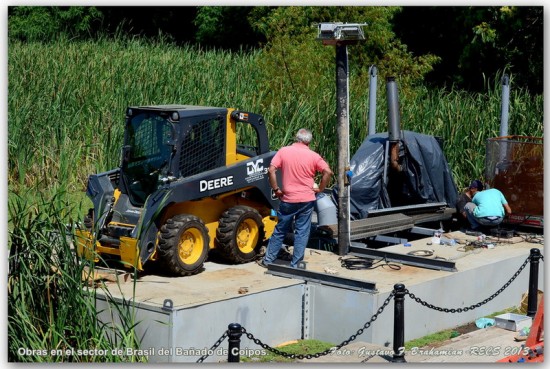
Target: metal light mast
[(340, 35)]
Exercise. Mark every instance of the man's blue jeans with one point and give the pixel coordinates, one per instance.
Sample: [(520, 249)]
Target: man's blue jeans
[(299, 213), (475, 222)]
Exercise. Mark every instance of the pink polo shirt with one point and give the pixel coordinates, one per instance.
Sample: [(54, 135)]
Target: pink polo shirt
[(298, 165)]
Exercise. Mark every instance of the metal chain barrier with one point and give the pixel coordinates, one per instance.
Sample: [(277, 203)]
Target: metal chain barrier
[(214, 346), (368, 324), (471, 307), (328, 351)]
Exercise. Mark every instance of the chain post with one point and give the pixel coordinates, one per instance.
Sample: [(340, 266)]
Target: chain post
[(399, 323), (533, 283), (234, 346)]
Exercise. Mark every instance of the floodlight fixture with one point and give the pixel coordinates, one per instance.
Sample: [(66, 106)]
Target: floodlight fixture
[(340, 33)]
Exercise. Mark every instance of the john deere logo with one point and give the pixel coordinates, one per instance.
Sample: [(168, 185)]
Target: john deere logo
[(212, 184)]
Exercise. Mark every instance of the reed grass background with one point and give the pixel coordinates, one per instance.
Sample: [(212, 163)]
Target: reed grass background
[(66, 104)]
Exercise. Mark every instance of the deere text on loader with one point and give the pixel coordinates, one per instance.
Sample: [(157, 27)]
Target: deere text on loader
[(191, 179)]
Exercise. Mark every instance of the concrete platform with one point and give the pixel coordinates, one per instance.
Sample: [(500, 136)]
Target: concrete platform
[(386, 278), (178, 319)]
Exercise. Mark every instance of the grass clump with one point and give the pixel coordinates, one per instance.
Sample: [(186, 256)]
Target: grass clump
[(431, 339), (301, 347)]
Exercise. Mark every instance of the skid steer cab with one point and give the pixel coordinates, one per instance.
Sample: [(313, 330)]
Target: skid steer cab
[(191, 179)]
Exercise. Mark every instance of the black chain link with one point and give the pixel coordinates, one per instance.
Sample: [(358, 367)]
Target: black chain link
[(471, 307), (328, 351), (214, 346)]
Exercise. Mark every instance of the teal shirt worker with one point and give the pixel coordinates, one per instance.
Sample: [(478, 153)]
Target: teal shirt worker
[(489, 203), (487, 209)]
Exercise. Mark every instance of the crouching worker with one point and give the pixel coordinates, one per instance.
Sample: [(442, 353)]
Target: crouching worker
[(487, 209)]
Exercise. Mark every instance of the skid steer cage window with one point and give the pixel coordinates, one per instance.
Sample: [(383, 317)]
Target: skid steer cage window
[(203, 148), (148, 137)]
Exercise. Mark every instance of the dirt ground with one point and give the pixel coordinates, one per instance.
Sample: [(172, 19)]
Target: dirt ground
[(463, 329), (466, 328)]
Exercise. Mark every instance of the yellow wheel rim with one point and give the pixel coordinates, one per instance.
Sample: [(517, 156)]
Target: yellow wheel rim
[(190, 246), (247, 236)]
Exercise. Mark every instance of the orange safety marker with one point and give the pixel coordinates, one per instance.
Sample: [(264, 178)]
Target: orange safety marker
[(533, 352)]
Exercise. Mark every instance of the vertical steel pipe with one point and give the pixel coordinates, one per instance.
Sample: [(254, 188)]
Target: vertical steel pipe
[(342, 113), (505, 104), (373, 73), (394, 119)]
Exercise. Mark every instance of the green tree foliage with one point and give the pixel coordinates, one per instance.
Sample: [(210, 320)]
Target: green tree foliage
[(457, 46), (475, 42), (39, 23), (226, 27), (173, 23), (513, 36), (293, 58)]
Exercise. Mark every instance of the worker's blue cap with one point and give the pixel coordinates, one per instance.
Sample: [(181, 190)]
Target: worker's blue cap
[(476, 183)]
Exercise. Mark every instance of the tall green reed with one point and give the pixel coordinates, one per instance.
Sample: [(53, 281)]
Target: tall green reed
[(66, 104), (51, 298)]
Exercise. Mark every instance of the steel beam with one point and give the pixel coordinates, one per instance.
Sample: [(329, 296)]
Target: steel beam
[(321, 278), (411, 209), (368, 227), (418, 261)]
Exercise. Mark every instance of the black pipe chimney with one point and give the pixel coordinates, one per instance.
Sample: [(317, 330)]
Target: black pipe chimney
[(394, 118)]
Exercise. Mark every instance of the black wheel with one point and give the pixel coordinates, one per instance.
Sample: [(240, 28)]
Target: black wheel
[(183, 244), (240, 234)]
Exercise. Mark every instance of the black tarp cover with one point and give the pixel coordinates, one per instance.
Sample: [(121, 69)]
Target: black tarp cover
[(426, 177)]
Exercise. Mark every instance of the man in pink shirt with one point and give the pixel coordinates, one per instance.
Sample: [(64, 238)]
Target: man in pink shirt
[(298, 165)]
